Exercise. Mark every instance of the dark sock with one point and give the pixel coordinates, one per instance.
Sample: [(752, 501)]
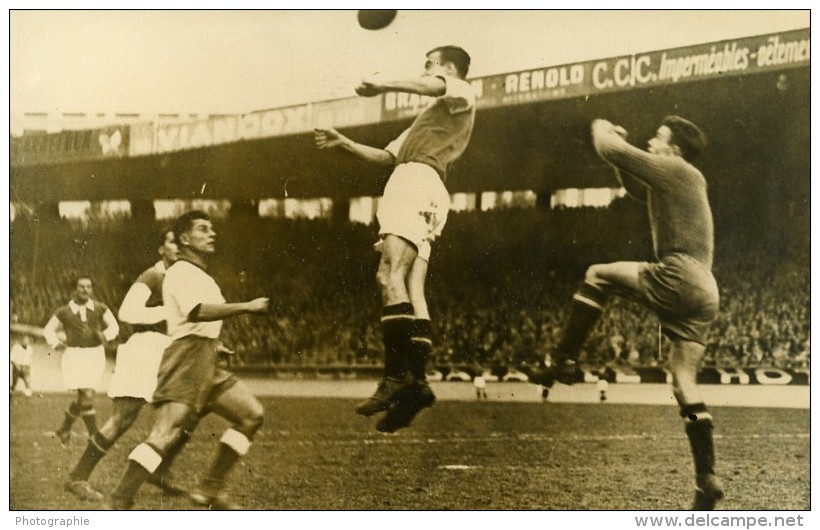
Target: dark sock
[(130, 482), (89, 416), (224, 461), (396, 324), (421, 347), (172, 453), (136, 473), (699, 427), (97, 447), (586, 307), (71, 414)]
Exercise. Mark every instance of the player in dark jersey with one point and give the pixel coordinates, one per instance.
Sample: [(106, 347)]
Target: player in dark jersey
[(135, 373), (678, 287), (87, 325), (412, 213)]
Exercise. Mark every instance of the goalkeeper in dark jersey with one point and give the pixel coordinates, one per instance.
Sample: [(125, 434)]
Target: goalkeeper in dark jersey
[(678, 287)]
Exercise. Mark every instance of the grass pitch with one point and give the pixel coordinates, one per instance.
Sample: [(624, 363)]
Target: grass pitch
[(316, 454)]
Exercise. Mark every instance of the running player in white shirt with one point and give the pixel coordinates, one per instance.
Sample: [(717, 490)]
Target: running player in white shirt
[(191, 382)]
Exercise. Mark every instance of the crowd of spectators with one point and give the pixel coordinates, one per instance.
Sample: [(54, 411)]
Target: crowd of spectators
[(499, 287)]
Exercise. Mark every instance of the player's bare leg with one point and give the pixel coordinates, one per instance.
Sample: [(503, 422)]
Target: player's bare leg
[(174, 421), (411, 400), (422, 331), (684, 362), (14, 378), (245, 413), (588, 303), (26, 382), (397, 258), (125, 413), (20, 373), (87, 411), (81, 407)]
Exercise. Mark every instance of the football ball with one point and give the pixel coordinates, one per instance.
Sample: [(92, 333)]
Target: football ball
[(373, 19)]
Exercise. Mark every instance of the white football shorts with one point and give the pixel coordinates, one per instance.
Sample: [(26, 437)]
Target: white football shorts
[(414, 206), (83, 367), (135, 373)]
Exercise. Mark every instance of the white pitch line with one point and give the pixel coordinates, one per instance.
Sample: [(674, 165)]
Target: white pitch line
[(525, 437)]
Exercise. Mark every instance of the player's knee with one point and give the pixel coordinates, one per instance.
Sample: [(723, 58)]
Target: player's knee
[(383, 278), (391, 286), (253, 418), (254, 421), (166, 432), (681, 370), (163, 439), (188, 425)]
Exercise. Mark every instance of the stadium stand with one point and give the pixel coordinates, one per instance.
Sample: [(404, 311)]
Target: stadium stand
[(500, 286)]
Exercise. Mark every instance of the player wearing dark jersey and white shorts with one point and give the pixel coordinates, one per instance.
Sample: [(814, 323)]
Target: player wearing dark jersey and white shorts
[(679, 287), (191, 382), (135, 373), (87, 325), (412, 214)]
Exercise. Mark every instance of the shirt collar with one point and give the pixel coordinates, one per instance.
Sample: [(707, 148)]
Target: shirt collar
[(186, 260), (75, 307)]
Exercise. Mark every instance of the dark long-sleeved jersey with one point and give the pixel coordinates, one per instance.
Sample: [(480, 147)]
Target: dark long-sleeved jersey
[(676, 197)]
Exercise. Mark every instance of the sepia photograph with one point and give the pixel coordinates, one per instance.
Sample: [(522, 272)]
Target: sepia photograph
[(484, 261)]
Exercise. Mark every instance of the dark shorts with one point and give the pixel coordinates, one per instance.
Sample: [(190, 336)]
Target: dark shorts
[(684, 295), (189, 373), (20, 370)]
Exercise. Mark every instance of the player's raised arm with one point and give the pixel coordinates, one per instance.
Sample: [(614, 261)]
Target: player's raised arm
[(331, 138), (634, 186), (611, 145), (424, 86)]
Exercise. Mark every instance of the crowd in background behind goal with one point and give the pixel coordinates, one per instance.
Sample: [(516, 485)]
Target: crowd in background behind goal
[(503, 305)]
